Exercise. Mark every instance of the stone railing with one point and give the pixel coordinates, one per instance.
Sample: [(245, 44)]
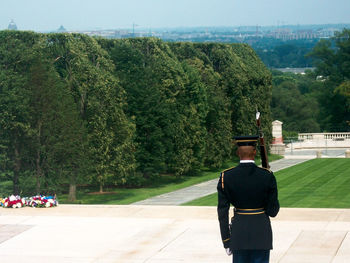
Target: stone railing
[(321, 140), (335, 136)]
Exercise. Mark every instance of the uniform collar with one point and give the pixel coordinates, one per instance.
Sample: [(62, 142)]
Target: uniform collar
[(246, 161)]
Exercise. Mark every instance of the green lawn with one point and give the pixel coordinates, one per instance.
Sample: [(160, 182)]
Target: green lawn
[(162, 184), (315, 183)]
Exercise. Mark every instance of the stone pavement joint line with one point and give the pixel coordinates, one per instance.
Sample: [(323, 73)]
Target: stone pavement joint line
[(190, 193), (10, 231)]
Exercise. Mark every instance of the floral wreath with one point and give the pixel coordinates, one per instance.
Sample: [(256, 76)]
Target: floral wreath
[(34, 201)]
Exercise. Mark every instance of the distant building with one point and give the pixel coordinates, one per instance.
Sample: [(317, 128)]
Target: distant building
[(61, 29), (295, 70), (12, 26)]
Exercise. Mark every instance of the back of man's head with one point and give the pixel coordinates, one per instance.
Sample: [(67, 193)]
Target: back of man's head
[(246, 152)]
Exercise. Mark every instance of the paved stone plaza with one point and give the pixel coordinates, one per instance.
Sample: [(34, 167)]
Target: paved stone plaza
[(163, 232), (154, 234)]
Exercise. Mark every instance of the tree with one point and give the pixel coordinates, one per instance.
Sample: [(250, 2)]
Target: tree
[(144, 100), (78, 109), (332, 62), (344, 90), (298, 112), (59, 136), (40, 132), (87, 72), (15, 131), (213, 105), (277, 53)]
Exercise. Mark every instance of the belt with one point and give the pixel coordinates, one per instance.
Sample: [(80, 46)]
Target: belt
[(255, 211)]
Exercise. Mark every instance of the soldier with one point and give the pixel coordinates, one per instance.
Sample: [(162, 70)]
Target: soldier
[(253, 193)]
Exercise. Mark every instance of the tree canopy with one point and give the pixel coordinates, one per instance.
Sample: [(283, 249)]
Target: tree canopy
[(319, 100), (79, 110)]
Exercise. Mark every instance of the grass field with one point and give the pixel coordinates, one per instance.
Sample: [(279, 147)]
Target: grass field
[(122, 196), (318, 183), (160, 185)]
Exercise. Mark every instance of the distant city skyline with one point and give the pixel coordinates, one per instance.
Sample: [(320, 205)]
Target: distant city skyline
[(44, 15)]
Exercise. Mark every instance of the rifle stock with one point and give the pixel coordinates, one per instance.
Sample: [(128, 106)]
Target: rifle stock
[(262, 147)]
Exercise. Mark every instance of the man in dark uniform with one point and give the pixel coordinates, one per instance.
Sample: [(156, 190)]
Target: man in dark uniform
[(253, 193)]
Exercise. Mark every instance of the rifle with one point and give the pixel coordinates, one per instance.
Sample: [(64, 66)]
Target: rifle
[(262, 147)]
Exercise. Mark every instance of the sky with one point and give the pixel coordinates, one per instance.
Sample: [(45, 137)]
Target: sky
[(49, 15)]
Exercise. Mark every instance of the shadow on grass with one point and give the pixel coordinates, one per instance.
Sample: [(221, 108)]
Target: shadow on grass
[(154, 186)]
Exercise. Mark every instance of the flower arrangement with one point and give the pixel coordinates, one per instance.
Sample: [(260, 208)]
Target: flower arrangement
[(12, 201), (42, 201), (34, 201)]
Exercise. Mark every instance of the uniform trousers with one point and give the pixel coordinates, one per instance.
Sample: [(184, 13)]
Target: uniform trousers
[(251, 256)]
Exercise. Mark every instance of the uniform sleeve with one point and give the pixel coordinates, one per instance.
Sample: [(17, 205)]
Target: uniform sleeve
[(273, 205), (223, 212)]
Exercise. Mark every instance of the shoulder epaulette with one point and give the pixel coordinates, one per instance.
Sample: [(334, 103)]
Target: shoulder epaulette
[(222, 177), (222, 180), (227, 169)]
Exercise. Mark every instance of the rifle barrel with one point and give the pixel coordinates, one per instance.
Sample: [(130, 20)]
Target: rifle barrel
[(262, 147)]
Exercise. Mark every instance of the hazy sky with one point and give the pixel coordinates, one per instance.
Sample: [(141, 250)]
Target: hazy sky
[(47, 15)]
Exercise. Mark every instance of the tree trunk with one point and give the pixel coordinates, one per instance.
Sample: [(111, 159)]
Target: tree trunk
[(101, 188), (16, 170), (72, 196), (39, 171)]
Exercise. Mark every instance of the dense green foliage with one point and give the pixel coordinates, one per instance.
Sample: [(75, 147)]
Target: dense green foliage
[(276, 53), (78, 110), (294, 101), (333, 64), (316, 183), (188, 100), (319, 100), (62, 119)]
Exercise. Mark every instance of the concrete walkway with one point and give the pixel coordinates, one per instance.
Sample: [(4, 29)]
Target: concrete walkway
[(206, 188), (160, 234)]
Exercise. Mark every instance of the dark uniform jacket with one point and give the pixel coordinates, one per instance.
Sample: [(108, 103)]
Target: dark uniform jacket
[(247, 187)]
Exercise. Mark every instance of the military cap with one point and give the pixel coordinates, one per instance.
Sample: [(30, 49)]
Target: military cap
[(249, 140)]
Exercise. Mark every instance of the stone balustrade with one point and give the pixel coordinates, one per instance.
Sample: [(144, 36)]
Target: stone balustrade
[(322, 140), (336, 136)]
